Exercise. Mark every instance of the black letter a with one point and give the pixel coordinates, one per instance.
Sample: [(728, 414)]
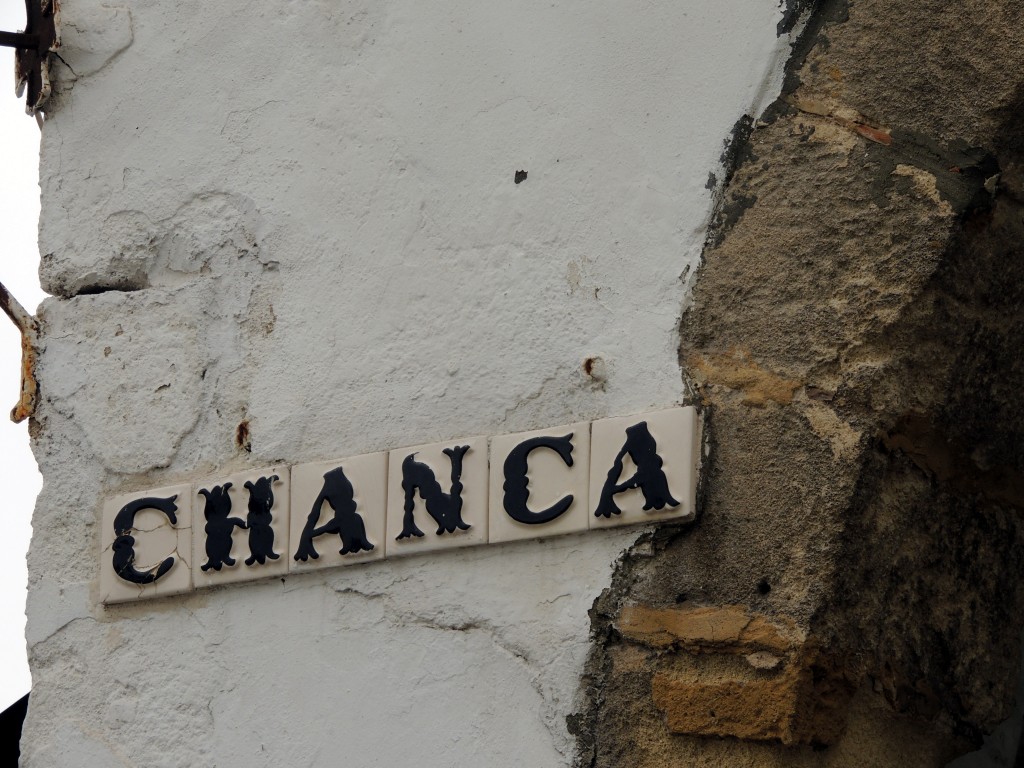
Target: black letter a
[(347, 523), (649, 477)]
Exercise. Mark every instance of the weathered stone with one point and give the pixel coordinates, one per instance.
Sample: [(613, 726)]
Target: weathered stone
[(856, 337), (729, 628), (770, 698), (747, 709)]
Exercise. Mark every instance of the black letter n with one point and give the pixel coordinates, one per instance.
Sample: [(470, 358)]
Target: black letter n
[(445, 508)]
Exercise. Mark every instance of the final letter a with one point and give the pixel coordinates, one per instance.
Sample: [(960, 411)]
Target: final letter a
[(649, 477)]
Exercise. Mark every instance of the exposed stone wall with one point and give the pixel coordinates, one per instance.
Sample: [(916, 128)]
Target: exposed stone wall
[(856, 337)]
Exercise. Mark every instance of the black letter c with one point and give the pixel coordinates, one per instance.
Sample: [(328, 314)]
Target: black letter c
[(124, 544), (516, 491)]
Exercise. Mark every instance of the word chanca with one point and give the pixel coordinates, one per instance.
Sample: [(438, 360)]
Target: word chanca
[(279, 520)]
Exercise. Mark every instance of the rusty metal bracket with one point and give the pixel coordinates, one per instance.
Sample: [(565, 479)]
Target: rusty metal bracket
[(32, 49), (29, 328)]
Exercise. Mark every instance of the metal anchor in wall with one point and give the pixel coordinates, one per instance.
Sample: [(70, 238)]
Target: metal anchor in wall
[(32, 48)]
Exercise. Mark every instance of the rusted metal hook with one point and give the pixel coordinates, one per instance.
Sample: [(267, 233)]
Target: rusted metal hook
[(29, 328)]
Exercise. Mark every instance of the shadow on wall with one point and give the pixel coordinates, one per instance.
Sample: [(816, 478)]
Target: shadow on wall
[(1003, 748)]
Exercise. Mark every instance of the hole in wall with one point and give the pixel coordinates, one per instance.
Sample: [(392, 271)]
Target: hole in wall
[(242, 437), (520, 177), (763, 587)]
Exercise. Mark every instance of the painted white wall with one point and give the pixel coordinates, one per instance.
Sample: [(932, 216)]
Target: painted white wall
[(317, 201)]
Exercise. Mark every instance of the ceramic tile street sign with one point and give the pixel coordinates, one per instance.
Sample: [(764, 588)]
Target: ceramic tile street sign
[(276, 520)]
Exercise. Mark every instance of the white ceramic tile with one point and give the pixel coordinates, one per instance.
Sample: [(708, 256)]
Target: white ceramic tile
[(549, 481), (156, 544), (673, 435), (348, 497), (429, 474), (243, 533)]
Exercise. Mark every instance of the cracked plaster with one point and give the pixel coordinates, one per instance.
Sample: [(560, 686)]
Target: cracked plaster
[(302, 217)]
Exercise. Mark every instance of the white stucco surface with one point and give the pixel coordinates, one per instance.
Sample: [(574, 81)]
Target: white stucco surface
[(302, 215)]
